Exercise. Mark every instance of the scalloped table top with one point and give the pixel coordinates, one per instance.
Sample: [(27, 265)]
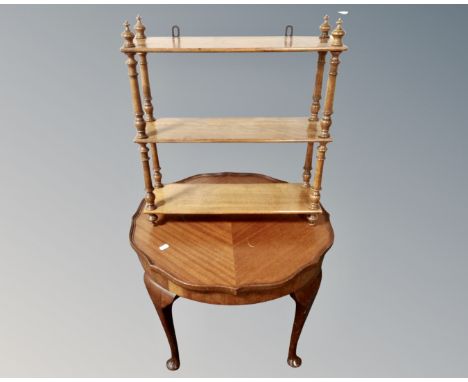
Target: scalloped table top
[(231, 254)]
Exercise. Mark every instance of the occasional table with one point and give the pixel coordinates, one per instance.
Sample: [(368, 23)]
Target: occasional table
[(231, 259)]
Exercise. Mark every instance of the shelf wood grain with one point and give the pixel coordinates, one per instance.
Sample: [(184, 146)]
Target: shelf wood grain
[(219, 199), (231, 44), (259, 129)]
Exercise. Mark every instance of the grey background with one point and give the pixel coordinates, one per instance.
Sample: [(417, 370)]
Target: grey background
[(394, 297)]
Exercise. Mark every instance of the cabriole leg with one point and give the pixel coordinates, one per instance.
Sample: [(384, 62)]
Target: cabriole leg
[(304, 299), (163, 300)]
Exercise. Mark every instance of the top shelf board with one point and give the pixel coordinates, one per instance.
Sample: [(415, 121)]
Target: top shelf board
[(233, 44)]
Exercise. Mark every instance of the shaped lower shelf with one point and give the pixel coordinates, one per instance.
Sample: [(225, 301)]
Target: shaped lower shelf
[(220, 199)]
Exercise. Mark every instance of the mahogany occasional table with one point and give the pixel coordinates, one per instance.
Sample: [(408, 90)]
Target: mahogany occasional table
[(231, 259)]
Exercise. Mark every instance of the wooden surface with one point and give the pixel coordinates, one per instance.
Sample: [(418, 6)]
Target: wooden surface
[(217, 199), (256, 129), (304, 298), (163, 300), (317, 96), (238, 257), (133, 77), (232, 44), (232, 259), (326, 121)]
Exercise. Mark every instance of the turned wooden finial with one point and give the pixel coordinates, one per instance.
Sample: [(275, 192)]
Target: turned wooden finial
[(338, 33), (139, 29), (324, 28), (128, 36)]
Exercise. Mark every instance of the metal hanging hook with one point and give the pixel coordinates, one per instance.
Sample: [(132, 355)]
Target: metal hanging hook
[(174, 29), (290, 29)]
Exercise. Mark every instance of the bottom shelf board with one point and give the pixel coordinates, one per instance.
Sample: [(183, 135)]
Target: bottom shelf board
[(219, 199)]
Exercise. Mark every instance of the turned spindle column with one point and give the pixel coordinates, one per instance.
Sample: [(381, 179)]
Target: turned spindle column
[(145, 82), (156, 167), (315, 108), (307, 165), (140, 123), (326, 121), (140, 39), (317, 183), (317, 96), (149, 195)]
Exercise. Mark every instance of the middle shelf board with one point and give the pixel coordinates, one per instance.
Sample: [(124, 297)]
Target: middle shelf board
[(255, 129), (218, 199)]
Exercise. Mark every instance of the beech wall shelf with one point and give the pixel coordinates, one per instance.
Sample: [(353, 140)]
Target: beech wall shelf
[(173, 199)]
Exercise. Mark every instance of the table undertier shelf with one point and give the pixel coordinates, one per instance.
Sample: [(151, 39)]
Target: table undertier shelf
[(219, 199), (255, 129), (232, 44)]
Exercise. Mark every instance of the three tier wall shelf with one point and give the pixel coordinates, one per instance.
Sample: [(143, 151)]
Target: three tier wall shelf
[(216, 237)]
